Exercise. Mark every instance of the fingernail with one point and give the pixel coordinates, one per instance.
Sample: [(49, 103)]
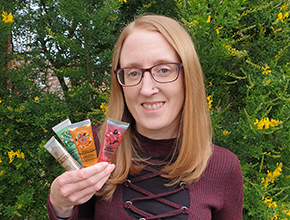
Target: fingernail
[(112, 166), (104, 164)]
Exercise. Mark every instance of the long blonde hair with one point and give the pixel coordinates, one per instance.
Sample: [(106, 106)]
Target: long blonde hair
[(193, 147)]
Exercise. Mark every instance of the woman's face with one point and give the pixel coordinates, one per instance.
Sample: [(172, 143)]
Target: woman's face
[(155, 106)]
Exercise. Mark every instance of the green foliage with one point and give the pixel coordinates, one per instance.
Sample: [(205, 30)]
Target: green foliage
[(68, 41), (244, 52)]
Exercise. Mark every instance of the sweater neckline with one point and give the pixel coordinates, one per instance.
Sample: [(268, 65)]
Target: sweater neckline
[(160, 148)]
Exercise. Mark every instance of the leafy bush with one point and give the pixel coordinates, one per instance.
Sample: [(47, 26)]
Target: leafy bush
[(244, 52), (70, 41)]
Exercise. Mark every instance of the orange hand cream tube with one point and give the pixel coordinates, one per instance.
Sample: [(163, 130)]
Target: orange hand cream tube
[(61, 155), (115, 131), (83, 138)]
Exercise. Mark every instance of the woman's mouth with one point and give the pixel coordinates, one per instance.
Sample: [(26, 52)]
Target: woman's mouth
[(153, 106)]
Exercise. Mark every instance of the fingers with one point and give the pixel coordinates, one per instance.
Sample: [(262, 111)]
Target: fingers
[(86, 193), (78, 186), (89, 183), (84, 173)]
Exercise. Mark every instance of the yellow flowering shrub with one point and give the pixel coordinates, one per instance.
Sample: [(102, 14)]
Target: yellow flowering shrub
[(243, 48), (275, 208)]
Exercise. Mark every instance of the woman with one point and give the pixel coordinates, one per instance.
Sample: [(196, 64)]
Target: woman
[(166, 166)]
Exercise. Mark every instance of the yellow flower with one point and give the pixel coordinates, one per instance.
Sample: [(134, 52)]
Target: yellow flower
[(11, 156), (16, 213), (104, 108), (274, 216), (279, 17), (210, 84), (225, 133), (267, 123), (268, 200), (209, 100), (21, 155), (19, 206), (7, 18), (274, 204), (0, 100), (0, 160), (18, 154), (123, 1), (218, 29), (208, 19), (274, 31), (265, 69), (271, 177), (1, 172), (285, 6), (36, 98)]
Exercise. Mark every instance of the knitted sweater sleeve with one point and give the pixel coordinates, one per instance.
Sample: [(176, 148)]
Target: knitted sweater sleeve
[(233, 191), (80, 212), (51, 214)]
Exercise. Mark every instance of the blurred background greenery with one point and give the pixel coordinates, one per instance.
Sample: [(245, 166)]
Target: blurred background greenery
[(55, 64)]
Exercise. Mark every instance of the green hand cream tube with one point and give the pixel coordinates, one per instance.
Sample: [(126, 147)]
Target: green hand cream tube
[(64, 135), (61, 155)]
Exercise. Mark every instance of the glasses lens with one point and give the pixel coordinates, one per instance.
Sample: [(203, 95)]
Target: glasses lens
[(166, 72), (129, 76)]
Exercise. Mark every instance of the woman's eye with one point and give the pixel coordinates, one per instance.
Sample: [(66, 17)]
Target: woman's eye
[(164, 70), (133, 74)]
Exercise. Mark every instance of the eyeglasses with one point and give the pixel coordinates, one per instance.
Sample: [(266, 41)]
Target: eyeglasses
[(162, 73)]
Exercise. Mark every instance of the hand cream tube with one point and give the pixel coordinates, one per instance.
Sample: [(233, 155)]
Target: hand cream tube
[(115, 131), (61, 155), (83, 137), (64, 135)]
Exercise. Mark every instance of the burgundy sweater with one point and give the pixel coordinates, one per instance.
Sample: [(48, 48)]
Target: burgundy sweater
[(218, 194)]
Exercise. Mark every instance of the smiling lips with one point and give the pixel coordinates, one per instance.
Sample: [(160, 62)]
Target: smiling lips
[(153, 106)]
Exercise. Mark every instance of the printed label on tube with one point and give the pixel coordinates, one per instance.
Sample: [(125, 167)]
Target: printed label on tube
[(65, 136), (113, 136), (61, 155), (84, 141)]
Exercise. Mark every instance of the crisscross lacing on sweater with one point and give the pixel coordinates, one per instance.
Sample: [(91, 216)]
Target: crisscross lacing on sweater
[(175, 210)]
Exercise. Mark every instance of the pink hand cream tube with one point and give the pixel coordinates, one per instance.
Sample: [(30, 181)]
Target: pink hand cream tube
[(61, 155), (115, 131)]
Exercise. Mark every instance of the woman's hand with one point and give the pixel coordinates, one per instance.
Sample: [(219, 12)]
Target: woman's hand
[(77, 187)]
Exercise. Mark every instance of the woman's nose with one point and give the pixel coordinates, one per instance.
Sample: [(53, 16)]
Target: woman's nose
[(148, 85)]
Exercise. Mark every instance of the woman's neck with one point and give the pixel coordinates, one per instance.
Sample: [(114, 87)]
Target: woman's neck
[(155, 148)]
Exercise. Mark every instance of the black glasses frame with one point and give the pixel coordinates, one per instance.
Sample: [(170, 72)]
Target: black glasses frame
[(179, 65)]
